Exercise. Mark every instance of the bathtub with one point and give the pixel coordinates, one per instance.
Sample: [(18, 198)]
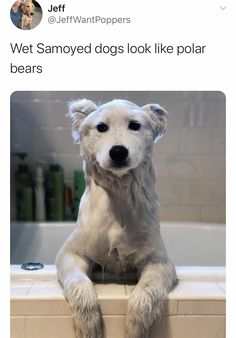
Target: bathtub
[(188, 244), (195, 308)]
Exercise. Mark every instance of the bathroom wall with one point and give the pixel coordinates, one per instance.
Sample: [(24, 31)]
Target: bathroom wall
[(190, 158)]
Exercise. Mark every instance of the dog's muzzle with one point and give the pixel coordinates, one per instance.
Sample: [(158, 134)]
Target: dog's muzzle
[(119, 155)]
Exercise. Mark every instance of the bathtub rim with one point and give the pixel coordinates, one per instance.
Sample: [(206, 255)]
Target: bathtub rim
[(184, 273), (204, 225)]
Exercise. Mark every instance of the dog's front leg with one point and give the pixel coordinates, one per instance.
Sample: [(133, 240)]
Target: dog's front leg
[(145, 303), (79, 290)]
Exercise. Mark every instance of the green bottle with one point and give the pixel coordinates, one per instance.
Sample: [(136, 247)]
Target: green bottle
[(79, 187), (55, 193), (24, 190)]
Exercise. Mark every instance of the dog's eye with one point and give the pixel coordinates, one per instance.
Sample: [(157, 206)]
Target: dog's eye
[(134, 125), (102, 127)]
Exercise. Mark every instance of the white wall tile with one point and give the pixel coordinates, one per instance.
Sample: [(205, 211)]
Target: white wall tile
[(213, 192), (180, 192), (211, 213), (190, 167), (168, 144), (177, 213), (202, 141)]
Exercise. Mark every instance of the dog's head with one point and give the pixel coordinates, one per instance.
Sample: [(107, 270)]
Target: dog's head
[(27, 7), (117, 135)]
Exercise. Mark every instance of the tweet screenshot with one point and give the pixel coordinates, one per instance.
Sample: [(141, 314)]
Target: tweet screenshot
[(113, 138)]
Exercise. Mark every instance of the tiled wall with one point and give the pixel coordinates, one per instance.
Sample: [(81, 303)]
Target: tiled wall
[(190, 159)]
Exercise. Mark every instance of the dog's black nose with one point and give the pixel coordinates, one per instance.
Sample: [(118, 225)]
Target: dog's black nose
[(118, 154)]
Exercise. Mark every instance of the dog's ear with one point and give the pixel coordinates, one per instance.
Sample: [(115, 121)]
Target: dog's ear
[(158, 117), (78, 110)]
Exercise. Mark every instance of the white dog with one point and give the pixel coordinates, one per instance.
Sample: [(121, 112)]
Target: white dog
[(118, 222)]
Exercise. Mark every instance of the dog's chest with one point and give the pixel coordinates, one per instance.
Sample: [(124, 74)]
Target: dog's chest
[(112, 245), (116, 251), (110, 233), (118, 240), (27, 20)]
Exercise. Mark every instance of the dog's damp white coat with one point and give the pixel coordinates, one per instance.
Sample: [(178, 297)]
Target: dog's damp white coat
[(118, 222)]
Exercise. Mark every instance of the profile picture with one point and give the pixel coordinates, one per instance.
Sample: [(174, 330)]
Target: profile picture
[(26, 14)]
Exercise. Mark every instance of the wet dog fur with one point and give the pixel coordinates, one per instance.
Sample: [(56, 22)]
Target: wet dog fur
[(118, 223)]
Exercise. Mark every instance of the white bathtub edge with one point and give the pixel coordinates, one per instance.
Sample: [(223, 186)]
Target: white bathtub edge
[(184, 273)]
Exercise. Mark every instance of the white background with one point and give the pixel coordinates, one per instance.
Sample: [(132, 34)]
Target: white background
[(170, 22)]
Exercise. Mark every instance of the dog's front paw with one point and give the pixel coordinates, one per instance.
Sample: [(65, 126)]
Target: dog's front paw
[(86, 312), (143, 309), (87, 320)]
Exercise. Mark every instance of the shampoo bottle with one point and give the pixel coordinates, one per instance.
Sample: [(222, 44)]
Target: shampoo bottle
[(24, 190), (68, 216), (79, 187), (55, 193), (40, 212)]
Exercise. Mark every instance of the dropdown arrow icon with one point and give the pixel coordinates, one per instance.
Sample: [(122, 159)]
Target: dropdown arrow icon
[(223, 7)]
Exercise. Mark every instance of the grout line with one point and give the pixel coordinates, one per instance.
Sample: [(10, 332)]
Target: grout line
[(25, 326), (119, 315)]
